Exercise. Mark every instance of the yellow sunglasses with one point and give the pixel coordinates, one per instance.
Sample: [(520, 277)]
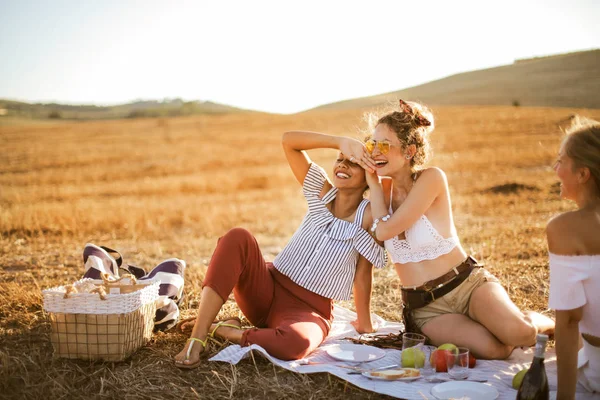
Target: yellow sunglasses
[(384, 147)]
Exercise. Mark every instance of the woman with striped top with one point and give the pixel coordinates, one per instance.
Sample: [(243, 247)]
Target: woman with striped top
[(331, 254)]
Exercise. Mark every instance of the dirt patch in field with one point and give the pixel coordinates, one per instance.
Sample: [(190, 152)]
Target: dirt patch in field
[(510, 188)]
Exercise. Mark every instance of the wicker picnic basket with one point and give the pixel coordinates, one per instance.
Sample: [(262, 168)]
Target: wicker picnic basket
[(108, 325)]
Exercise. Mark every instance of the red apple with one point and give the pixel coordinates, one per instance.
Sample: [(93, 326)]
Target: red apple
[(438, 360), (472, 360)]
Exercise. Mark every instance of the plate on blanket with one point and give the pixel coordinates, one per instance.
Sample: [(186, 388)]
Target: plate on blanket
[(466, 390), (355, 352)]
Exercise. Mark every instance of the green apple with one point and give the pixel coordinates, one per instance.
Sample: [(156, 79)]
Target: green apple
[(413, 358), (518, 379), (449, 346)]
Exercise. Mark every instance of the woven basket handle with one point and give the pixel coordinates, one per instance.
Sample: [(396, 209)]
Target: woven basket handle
[(106, 280), (101, 292), (70, 289)]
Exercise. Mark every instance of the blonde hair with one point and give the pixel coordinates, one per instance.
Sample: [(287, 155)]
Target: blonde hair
[(412, 122), (582, 145)]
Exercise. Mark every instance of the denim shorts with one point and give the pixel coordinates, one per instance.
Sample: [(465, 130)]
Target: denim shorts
[(455, 302)]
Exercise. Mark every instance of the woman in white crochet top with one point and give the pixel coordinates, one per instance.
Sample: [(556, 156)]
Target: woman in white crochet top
[(574, 245), (447, 295)]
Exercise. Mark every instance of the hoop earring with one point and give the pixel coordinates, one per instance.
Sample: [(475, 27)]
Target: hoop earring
[(408, 157)]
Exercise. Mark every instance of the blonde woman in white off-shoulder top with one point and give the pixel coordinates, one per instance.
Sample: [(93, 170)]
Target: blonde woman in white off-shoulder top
[(574, 245), (447, 295)]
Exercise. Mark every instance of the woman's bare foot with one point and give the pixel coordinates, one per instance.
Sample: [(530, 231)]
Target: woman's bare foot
[(544, 324), (191, 355), (186, 324)]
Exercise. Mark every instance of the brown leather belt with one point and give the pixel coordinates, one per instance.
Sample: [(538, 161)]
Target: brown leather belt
[(414, 298)]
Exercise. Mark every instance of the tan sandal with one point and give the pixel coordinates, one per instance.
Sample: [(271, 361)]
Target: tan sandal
[(193, 340)]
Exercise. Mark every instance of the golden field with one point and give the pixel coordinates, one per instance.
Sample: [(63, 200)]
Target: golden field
[(161, 188)]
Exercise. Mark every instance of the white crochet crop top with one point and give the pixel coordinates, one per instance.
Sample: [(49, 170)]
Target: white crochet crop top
[(423, 242)]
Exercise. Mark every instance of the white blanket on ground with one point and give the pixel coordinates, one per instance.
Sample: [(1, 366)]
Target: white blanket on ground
[(498, 373)]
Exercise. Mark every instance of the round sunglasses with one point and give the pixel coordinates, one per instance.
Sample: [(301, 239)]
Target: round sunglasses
[(384, 147)]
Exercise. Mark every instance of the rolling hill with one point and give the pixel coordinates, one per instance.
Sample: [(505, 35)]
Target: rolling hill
[(564, 80), (137, 109)]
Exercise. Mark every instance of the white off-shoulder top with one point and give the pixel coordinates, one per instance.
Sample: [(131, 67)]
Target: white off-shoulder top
[(574, 283)]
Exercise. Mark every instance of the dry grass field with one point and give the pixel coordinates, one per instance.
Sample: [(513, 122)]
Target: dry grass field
[(160, 188)]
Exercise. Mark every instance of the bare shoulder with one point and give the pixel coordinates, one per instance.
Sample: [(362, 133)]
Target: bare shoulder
[(433, 175), (560, 222), (434, 179), (562, 231), (557, 221)]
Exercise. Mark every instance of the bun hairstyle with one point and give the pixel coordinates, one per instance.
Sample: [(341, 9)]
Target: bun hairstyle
[(582, 145), (412, 122)]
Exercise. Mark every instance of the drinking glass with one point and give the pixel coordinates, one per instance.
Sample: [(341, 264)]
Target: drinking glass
[(428, 369), (413, 342), (458, 363)]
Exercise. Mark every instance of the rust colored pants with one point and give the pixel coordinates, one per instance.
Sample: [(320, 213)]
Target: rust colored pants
[(290, 321)]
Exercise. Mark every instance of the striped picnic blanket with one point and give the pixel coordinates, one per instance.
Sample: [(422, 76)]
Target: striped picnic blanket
[(499, 374)]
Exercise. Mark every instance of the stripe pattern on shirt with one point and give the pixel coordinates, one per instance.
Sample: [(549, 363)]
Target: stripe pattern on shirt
[(322, 255)]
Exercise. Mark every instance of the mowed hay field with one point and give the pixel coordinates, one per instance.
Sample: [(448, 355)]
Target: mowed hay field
[(161, 188)]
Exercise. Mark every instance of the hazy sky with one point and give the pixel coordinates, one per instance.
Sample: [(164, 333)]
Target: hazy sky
[(277, 56)]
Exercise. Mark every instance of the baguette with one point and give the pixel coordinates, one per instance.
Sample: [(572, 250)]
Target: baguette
[(396, 373)]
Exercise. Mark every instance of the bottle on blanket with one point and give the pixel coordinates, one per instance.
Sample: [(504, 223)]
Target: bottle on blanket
[(535, 381)]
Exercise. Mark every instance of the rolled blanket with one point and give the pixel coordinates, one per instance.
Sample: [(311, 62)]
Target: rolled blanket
[(100, 259), (170, 293)]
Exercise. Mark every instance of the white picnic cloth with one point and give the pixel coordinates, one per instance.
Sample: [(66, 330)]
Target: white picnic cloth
[(498, 373)]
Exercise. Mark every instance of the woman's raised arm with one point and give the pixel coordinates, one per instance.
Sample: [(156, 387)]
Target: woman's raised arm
[(295, 142)]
